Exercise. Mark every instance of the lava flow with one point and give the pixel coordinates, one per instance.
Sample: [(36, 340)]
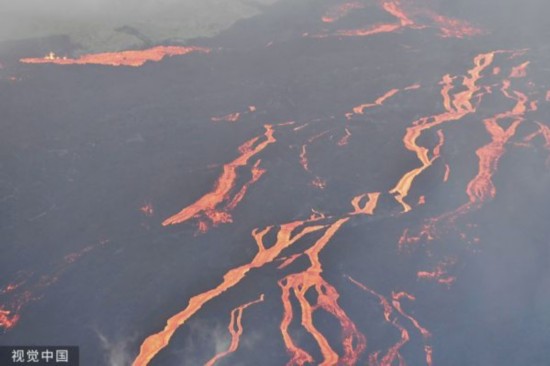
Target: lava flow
[(448, 27), (353, 342), (235, 329), (393, 8), (232, 117), (393, 353), (287, 235), (440, 273), (133, 58), (209, 204), (360, 109), (7, 319), (453, 28), (386, 182), (369, 206), (456, 107), (481, 188), (341, 11)]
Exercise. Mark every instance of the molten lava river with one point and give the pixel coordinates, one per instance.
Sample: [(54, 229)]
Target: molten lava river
[(327, 183)]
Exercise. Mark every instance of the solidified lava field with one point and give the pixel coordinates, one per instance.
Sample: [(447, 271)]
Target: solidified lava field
[(327, 183)]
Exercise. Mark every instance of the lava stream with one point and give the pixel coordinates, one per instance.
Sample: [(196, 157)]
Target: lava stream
[(456, 107), (353, 342), (520, 71), (453, 28), (133, 58), (7, 319), (303, 152), (345, 139), (396, 301), (390, 6), (448, 27), (369, 206), (359, 109), (341, 11), (439, 274), (393, 352), (286, 236), (235, 329), (232, 117), (23, 291), (208, 204)]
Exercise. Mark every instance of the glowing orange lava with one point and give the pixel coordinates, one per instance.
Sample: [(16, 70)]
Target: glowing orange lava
[(235, 329), (481, 188), (341, 11), (147, 209), (303, 152), (232, 117), (439, 274), (7, 319), (287, 234), (393, 7), (520, 71), (353, 342), (359, 109), (208, 205), (453, 28), (345, 139), (393, 353), (423, 331), (319, 183), (369, 206), (133, 58), (456, 107)]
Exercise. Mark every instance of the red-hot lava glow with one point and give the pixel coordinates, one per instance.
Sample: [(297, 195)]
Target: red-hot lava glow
[(319, 183), (353, 342), (287, 235), (210, 206), (456, 107), (423, 331), (292, 250), (453, 28), (520, 71), (30, 287), (481, 188), (345, 139), (235, 329), (147, 209), (439, 274), (369, 206), (360, 109), (448, 27), (460, 96), (393, 353), (7, 319), (447, 173), (232, 117), (341, 11), (133, 58)]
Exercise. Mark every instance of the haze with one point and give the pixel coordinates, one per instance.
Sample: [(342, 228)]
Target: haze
[(105, 25)]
